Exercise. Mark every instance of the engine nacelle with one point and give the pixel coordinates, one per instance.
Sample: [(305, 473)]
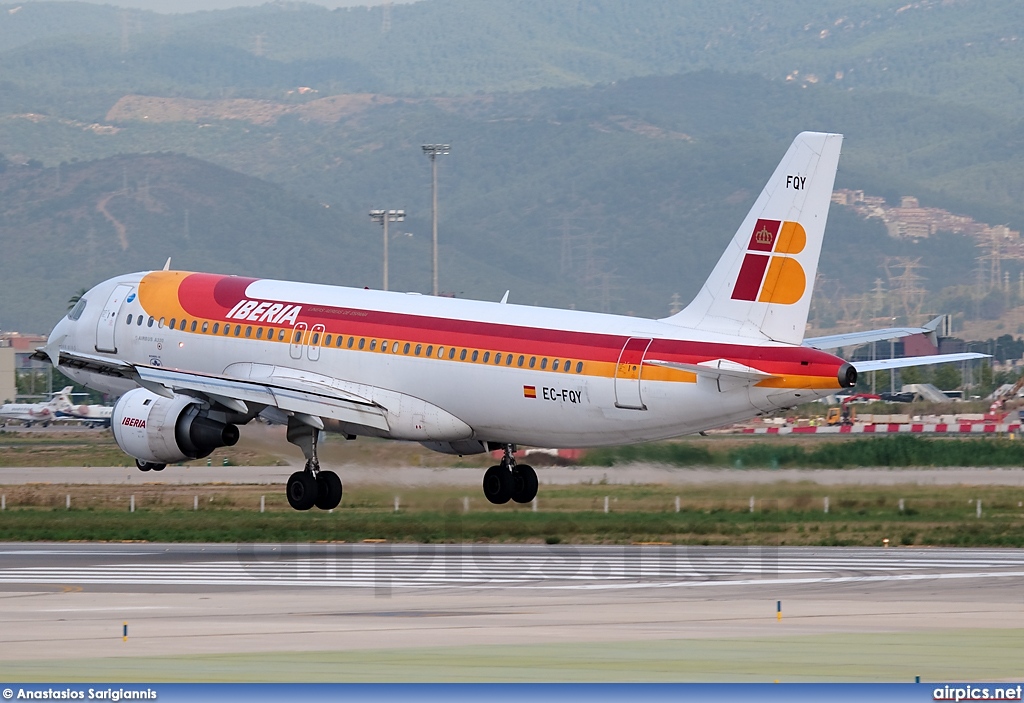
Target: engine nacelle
[(161, 430)]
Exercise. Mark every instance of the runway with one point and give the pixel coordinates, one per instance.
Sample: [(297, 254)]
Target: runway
[(412, 476), (496, 612)]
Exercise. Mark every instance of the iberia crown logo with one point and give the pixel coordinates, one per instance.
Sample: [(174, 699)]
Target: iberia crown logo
[(767, 274)]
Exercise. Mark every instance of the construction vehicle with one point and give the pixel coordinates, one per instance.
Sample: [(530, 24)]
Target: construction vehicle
[(844, 414)]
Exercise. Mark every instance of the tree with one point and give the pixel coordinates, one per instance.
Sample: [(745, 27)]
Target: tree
[(73, 300), (947, 377)]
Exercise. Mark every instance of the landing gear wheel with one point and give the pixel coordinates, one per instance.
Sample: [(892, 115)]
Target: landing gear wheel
[(524, 483), (302, 490), (498, 485), (328, 490), (147, 466)]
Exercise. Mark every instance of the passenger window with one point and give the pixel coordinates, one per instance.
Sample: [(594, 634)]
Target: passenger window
[(129, 318), (150, 323), (487, 357), (497, 358), (206, 327), (216, 327), (533, 360), (451, 353), (554, 365), (475, 354), (419, 348), (193, 328), (508, 360), (362, 342), (316, 338), (139, 323), (248, 331), (351, 341), (384, 346), (406, 349), (440, 352), (174, 322), (341, 338), (373, 345), (161, 323), (280, 336), (520, 361), (543, 363), (579, 367), (327, 341), (430, 350), (462, 356), (238, 330), (259, 333), (298, 336)]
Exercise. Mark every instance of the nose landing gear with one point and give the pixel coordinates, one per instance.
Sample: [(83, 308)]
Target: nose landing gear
[(311, 486), (510, 481)]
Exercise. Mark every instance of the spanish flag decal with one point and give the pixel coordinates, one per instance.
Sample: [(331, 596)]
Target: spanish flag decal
[(529, 391)]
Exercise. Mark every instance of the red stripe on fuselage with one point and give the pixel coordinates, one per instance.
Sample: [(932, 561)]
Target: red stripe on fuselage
[(211, 297)]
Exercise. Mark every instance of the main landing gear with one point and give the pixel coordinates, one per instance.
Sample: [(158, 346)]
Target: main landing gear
[(510, 481), (149, 466), (311, 486)]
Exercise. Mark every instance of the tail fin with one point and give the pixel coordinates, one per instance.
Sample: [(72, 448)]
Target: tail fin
[(762, 285)]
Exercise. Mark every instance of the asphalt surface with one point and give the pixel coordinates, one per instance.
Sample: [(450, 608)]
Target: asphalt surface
[(533, 612), (355, 475)]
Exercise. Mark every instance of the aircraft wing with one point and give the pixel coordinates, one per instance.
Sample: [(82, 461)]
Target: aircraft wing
[(291, 395), (883, 364), (836, 341)]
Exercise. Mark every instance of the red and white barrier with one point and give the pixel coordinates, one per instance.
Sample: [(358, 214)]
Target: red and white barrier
[(893, 428)]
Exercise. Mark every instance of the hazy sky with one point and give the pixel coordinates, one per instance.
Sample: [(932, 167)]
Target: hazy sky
[(181, 6)]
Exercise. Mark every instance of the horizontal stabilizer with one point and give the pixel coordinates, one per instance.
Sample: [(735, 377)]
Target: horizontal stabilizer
[(716, 369), (883, 364)]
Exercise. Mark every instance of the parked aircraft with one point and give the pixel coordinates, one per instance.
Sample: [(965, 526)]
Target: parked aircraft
[(88, 414), (194, 355), (30, 413)]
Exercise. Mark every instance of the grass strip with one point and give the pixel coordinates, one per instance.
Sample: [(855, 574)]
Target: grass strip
[(889, 451), (789, 527), (944, 655)]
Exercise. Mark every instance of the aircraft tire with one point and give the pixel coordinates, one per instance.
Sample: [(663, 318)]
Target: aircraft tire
[(498, 485), (524, 481), (302, 490), (328, 490)]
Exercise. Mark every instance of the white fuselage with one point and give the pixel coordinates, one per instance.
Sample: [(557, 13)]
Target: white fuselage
[(453, 370)]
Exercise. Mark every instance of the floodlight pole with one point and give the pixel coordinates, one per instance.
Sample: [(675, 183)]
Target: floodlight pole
[(432, 150), (383, 217)]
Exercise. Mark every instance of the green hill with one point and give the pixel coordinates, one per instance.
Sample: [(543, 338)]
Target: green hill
[(69, 228), (602, 152)]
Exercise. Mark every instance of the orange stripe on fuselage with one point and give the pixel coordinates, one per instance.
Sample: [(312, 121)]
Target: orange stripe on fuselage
[(210, 298)]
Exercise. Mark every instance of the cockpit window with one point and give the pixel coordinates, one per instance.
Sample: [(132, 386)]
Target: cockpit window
[(76, 312)]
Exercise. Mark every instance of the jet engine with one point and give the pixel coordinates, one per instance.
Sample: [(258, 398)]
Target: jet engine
[(161, 430)]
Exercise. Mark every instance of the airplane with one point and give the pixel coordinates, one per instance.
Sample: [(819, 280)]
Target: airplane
[(30, 413), (88, 414), (195, 355)]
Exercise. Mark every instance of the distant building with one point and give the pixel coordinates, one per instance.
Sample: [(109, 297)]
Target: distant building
[(18, 349), (8, 389)]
